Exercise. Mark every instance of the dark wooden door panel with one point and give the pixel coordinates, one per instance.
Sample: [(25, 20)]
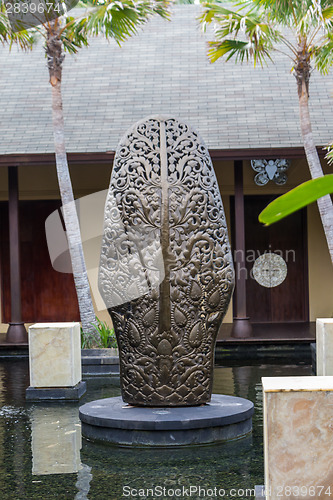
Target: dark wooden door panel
[(287, 301), (47, 295), (258, 301)]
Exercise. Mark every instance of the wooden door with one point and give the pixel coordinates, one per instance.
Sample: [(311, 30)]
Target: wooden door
[(46, 294), (287, 302)]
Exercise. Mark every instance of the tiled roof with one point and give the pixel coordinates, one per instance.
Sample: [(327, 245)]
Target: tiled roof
[(163, 70)]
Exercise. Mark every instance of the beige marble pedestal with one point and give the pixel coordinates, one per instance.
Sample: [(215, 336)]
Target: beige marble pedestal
[(55, 362), (298, 437), (324, 346)]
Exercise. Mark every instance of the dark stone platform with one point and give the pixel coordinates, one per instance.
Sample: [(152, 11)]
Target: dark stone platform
[(35, 394), (95, 366), (113, 421), (99, 362)]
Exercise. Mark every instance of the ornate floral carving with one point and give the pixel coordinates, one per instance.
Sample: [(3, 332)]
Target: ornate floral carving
[(270, 170), (166, 271)]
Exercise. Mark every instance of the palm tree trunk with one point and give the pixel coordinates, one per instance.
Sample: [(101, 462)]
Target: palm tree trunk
[(55, 58), (325, 203)]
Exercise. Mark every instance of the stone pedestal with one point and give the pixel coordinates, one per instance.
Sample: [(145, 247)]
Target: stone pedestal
[(324, 347), (55, 440), (298, 436), (112, 421), (100, 362), (55, 362)]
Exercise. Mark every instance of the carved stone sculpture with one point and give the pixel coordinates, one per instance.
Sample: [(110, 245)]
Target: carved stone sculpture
[(166, 272)]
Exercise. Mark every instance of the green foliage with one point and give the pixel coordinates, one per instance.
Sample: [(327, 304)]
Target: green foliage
[(253, 29), (296, 198), (24, 39), (120, 20), (114, 19), (87, 340), (74, 34), (324, 56), (244, 34), (106, 336), (329, 155)]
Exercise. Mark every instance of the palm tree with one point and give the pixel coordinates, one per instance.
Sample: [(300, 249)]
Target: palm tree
[(258, 28), (58, 37), (117, 20)]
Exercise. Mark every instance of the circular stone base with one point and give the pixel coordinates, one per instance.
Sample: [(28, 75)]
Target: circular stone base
[(113, 421)]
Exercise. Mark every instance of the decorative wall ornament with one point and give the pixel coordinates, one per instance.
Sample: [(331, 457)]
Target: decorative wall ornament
[(270, 170), (166, 271), (269, 270)]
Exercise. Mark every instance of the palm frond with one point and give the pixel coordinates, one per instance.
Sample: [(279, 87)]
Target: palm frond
[(300, 15), (242, 51), (328, 12), (243, 35), (25, 39), (120, 20), (327, 16), (74, 34), (323, 55), (275, 10), (329, 154)]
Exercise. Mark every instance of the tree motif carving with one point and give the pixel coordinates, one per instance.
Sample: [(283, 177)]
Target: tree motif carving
[(166, 272)]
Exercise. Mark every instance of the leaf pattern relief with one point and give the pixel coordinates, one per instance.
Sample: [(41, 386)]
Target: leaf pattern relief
[(166, 271)]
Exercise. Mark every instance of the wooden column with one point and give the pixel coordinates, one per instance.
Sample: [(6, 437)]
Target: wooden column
[(241, 326), (16, 332)]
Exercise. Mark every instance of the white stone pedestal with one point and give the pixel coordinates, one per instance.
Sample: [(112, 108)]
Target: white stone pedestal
[(55, 361), (298, 437), (324, 346)]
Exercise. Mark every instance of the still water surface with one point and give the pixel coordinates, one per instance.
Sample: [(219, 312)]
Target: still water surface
[(42, 455)]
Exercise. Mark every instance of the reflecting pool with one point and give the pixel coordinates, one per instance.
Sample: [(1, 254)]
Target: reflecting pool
[(43, 456)]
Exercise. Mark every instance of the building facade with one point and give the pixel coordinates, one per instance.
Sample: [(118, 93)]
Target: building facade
[(248, 118)]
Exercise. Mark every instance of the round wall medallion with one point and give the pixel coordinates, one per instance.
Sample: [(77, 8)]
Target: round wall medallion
[(269, 270)]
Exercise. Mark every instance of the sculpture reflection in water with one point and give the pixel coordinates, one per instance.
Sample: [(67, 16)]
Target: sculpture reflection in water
[(166, 272), (55, 440)]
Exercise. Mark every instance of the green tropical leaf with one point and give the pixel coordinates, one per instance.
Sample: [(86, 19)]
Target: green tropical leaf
[(301, 13), (230, 47), (329, 155), (24, 39), (327, 12), (323, 55), (252, 31), (243, 51), (296, 198), (74, 34), (243, 35), (120, 20)]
